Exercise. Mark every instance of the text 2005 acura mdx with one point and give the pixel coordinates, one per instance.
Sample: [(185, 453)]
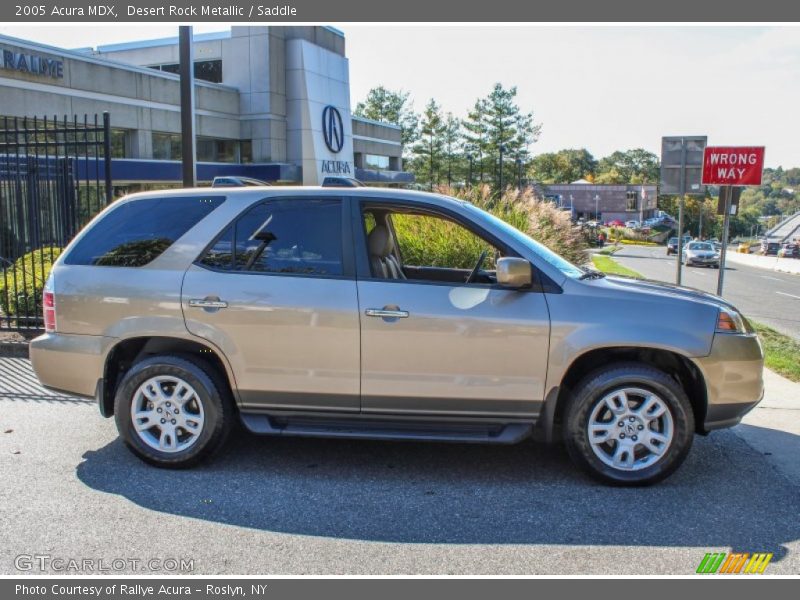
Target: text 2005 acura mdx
[(312, 311)]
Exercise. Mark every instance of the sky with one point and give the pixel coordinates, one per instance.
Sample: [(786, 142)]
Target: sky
[(603, 88)]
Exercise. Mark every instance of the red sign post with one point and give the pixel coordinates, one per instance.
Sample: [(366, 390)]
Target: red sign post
[(730, 167), (733, 165)]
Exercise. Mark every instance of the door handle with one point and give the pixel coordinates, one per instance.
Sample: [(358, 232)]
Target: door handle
[(386, 313), (207, 303)]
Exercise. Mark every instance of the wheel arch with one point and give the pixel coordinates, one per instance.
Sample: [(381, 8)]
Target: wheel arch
[(681, 368), (127, 352)]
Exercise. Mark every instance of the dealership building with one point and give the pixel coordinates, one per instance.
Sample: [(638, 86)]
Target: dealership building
[(587, 200), (271, 102)]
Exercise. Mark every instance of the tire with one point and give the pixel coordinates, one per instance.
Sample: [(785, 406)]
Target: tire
[(590, 404), (173, 432)]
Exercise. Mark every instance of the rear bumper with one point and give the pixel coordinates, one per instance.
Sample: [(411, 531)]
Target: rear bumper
[(70, 363), (734, 376)]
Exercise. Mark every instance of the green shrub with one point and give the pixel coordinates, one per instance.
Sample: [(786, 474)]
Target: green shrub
[(539, 218), (21, 286)]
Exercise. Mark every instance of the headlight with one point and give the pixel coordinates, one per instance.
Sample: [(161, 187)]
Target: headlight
[(730, 321)]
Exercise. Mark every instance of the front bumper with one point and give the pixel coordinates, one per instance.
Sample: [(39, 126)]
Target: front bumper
[(70, 363), (734, 377)]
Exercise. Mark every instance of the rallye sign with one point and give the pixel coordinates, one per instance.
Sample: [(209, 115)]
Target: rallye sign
[(733, 165)]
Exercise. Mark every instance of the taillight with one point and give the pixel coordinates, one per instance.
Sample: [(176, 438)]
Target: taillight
[(49, 308)]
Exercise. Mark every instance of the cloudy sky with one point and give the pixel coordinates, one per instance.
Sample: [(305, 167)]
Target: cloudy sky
[(599, 87)]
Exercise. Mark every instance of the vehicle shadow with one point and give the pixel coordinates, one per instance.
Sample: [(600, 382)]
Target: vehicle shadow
[(725, 495)]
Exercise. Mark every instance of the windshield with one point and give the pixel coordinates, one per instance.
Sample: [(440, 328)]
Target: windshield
[(542, 251), (700, 246), (673, 240)]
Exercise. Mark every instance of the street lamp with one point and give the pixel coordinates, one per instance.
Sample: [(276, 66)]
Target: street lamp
[(469, 178), (571, 210), (596, 207)]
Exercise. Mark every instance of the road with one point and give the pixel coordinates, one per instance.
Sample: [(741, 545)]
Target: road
[(303, 506), (766, 296)]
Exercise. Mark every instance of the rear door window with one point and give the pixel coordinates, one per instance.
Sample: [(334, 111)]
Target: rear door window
[(137, 232), (291, 236)]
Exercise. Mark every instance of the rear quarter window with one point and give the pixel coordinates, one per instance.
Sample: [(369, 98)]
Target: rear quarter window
[(137, 232)]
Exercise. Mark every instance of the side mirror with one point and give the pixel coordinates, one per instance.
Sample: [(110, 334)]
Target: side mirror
[(514, 272)]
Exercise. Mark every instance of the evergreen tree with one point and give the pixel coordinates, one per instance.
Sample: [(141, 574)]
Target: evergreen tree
[(429, 149), (509, 131), (475, 140), (451, 145)]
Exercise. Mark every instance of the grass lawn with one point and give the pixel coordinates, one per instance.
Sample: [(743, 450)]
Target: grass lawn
[(606, 264), (782, 352)]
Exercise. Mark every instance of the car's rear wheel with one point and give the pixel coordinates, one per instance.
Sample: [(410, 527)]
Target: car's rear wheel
[(629, 425), (172, 412)]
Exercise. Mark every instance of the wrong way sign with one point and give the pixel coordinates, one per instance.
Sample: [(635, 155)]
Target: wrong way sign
[(733, 165)]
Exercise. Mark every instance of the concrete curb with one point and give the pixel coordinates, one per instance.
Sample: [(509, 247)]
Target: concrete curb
[(14, 350), (769, 263)]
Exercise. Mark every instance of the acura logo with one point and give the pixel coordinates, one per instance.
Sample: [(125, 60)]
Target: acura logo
[(332, 129)]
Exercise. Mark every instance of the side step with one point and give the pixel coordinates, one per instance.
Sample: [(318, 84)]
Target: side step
[(380, 429)]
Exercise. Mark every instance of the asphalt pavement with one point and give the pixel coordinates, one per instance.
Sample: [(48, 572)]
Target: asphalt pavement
[(766, 296), (70, 490)]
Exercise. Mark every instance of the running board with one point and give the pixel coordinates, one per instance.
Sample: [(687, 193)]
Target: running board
[(377, 429)]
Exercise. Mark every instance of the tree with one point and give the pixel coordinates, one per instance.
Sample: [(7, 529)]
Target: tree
[(509, 131), (631, 166), (390, 106), (451, 144), (563, 166), (429, 149), (475, 142)]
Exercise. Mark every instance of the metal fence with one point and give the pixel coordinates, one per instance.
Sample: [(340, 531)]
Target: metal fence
[(54, 177)]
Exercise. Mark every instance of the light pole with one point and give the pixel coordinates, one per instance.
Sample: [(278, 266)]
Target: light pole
[(469, 178), (571, 209), (597, 207)]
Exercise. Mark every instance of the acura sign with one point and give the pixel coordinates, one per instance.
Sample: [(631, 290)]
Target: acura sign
[(332, 129)]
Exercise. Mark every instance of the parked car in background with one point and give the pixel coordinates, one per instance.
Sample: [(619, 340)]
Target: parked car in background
[(769, 248), (632, 224), (790, 250), (615, 223), (297, 311), (700, 254), (235, 181), (342, 182)]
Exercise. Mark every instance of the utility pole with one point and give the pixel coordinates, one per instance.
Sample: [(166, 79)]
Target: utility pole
[(681, 206), (188, 145)]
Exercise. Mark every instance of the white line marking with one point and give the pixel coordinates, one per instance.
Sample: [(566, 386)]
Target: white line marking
[(768, 277), (790, 295)]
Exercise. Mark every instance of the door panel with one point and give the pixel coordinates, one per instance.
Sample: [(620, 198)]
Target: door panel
[(293, 342), (470, 350)]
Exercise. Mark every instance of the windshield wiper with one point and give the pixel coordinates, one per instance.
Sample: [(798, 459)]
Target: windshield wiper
[(592, 274)]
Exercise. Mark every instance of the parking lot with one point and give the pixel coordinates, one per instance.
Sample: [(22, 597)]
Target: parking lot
[(283, 506)]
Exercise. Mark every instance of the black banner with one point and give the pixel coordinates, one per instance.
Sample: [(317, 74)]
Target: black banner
[(465, 11)]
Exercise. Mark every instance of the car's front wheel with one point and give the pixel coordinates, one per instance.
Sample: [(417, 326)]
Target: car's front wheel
[(629, 425), (172, 412)]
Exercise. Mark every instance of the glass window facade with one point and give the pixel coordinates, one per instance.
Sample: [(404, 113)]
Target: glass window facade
[(631, 200), (205, 70), (376, 161)]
